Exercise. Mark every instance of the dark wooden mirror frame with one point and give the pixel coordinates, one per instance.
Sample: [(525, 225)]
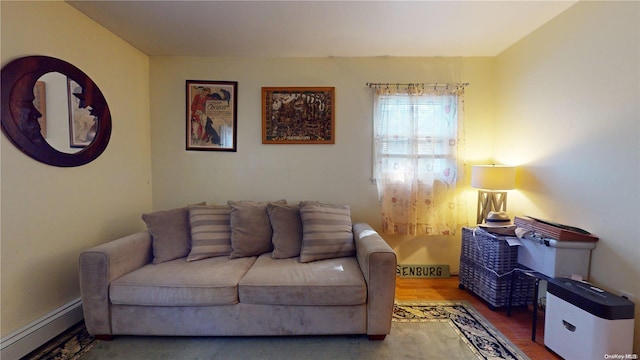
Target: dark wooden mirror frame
[(20, 117)]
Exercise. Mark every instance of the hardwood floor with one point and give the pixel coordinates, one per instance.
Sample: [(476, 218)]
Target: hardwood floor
[(517, 327)]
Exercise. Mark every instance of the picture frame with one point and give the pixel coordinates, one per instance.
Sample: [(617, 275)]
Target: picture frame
[(298, 115), (82, 124), (211, 115)]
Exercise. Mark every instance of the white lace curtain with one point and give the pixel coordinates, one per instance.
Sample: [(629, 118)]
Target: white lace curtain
[(418, 143)]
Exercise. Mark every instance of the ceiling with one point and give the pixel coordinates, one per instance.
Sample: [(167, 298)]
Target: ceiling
[(321, 28)]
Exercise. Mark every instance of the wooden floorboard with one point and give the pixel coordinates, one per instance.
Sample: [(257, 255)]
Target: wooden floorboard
[(516, 328)]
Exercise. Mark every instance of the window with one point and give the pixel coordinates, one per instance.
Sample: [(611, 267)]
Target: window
[(416, 145)]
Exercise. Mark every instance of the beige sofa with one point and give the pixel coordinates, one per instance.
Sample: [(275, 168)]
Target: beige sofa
[(319, 274)]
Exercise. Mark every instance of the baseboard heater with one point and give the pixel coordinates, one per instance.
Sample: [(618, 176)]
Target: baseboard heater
[(35, 334), (423, 271)]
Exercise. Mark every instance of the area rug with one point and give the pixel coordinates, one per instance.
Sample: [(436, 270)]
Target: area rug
[(69, 345), (481, 337), (420, 330)]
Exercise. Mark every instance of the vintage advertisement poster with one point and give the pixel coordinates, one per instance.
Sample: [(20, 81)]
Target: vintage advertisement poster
[(211, 115)]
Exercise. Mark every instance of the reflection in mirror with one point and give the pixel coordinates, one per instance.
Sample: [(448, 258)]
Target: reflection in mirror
[(65, 125), (83, 125), (40, 102), (53, 112)]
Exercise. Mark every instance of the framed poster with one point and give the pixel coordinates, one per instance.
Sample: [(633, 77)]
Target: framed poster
[(82, 124), (298, 115), (212, 118)]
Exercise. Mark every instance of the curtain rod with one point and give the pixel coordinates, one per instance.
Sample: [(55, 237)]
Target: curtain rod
[(423, 85)]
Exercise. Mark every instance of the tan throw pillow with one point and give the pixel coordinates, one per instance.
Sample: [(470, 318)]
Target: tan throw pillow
[(287, 230), (210, 231), (250, 228), (170, 234), (326, 231)]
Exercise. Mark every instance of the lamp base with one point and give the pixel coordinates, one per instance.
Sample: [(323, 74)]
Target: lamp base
[(490, 201)]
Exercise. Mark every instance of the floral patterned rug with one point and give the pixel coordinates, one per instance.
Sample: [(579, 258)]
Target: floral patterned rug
[(482, 337)]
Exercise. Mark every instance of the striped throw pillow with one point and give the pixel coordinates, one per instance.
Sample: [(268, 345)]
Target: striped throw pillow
[(326, 231), (210, 231)]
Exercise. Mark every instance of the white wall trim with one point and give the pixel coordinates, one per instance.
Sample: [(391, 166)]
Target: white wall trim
[(35, 334)]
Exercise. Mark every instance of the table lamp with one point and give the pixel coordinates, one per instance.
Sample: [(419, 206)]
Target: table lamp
[(492, 181)]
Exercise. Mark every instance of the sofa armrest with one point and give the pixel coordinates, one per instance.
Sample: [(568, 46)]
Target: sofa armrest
[(378, 264), (100, 265)]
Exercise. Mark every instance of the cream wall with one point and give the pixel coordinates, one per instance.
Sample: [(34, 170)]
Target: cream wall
[(50, 214), (568, 111), (544, 103), (339, 173)]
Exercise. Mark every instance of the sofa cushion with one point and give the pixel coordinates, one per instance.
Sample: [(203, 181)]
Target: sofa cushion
[(287, 230), (326, 231), (250, 228), (170, 233), (212, 281), (271, 281), (210, 231)]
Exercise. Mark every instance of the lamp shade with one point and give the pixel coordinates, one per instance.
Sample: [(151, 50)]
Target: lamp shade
[(493, 177)]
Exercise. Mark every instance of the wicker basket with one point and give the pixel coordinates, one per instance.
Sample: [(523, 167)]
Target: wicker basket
[(489, 250), (486, 269), (493, 288)]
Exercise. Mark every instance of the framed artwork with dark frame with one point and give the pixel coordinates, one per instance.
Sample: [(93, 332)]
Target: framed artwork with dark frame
[(212, 116), (298, 115)]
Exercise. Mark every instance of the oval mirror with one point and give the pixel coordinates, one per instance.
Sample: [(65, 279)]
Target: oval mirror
[(53, 112)]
